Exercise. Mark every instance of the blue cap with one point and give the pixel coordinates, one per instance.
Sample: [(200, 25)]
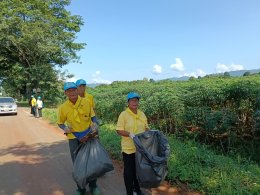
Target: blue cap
[(69, 85), (133, 95), (80, 82), (39, 97)]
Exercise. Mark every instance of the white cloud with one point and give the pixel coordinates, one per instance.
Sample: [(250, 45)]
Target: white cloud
[(96, 78), (178, 66), (101, 81), (157, 69), (96, 74), (197, 73), (224, 68)]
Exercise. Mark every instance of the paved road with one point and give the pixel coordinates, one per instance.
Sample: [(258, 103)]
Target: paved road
[(34, 159)]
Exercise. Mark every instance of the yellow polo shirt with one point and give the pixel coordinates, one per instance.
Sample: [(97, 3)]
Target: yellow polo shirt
[(90, 99), (133, 123), (33, 102), (77, 117)]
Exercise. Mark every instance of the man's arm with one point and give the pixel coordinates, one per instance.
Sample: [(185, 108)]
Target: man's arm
[(125, 133), (65, 128)]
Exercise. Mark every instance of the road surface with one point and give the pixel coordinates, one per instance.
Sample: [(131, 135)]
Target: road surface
[(35, 160)]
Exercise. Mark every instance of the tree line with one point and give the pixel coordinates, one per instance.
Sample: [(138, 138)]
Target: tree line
[(36, 38)]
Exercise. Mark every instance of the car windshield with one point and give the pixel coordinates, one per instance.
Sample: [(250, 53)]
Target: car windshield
[(6, 100)]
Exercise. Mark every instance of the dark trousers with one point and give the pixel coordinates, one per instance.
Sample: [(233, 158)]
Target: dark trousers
[(131, 182), (73, 145), (33, 110)]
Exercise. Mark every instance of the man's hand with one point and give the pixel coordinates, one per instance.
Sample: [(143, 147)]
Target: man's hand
[(67, 130), (131, 135), (89, 136), (84, 139)]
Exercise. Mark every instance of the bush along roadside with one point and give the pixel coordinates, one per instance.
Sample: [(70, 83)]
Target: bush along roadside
[(211, 173)]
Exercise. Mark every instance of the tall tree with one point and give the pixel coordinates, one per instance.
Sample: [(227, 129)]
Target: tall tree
[(36, 36)]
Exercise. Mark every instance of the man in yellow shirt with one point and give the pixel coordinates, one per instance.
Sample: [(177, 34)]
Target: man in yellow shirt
[(82, 86), (75, 117), (130, 122), (33, 104)]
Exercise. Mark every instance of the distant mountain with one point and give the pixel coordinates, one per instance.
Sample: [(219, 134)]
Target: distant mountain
[(93, 85), (239, 73), (236, 73), (183, 78)]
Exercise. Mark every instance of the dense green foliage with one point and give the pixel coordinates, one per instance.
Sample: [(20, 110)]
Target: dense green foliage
[(211, 173), (219, 111), (36, 37)]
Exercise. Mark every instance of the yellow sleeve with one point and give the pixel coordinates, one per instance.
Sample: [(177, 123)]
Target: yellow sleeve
[(61, 116), (145, 121), (120, 122), (93, 103), (146, 124), (92, 113)]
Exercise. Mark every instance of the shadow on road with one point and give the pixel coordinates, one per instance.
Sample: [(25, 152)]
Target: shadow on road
[(36, 169)]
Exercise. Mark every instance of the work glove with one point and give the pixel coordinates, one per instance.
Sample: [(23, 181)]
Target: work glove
[(94, 127), (67, 130), (93, 134), (131, 135)]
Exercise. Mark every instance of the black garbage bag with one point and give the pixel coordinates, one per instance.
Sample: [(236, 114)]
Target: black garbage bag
[(92, 161), (152, 152)]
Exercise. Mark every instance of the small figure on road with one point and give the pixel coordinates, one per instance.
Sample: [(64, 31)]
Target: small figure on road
[(76, 115), (39, 107), (130, 122), (30, 104), (33, 105)]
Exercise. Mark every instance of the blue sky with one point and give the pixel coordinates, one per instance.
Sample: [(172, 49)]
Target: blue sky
[(134, 39)]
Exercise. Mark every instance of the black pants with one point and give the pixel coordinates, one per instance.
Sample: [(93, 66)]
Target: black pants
[(131, 182), (73, 145), (33, 110)]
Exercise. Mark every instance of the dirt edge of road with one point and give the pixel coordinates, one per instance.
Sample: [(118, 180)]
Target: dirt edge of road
[(165, 188)]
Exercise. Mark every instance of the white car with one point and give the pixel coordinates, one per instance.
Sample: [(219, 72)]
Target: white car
[(8, 105)]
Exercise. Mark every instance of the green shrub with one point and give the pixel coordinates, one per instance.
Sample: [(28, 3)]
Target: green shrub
[(211, 173)]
